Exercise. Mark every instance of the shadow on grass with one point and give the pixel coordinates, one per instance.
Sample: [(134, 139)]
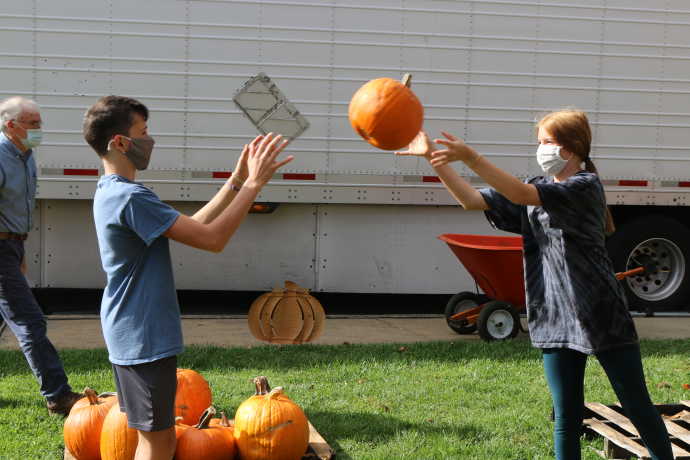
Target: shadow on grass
[(22, 402), (375, 429), (10, 403), (300, 356)]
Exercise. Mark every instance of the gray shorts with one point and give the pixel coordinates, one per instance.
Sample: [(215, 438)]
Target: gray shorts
[(146, 393)]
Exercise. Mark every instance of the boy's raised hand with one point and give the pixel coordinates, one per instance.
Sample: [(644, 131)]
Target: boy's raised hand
[(241, 171), (420, 146), (261, 159), (456, 150)]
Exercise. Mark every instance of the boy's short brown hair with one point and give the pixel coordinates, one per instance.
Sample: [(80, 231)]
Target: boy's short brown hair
[(109, 116)]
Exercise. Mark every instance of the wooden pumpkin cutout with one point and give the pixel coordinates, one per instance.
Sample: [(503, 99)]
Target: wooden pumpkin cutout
[(286, 316)]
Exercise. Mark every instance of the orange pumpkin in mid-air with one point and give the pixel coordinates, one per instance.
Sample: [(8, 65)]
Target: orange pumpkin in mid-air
[(386, 113)]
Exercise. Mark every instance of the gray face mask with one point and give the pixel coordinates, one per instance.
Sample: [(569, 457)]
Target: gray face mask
[(139, 151)]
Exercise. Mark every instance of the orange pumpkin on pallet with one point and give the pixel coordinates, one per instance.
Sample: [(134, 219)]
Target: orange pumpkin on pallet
[(108, 398), (118, 441), (82, 430), (287, 316), (270, 425), (222, 421), (193, 396), (207, 442), (180, 427), (386, 113)]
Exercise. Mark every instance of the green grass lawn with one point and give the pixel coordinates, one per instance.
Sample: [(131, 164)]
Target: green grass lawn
[(458, 400)]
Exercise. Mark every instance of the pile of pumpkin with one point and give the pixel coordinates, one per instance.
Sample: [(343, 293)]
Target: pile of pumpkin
[(268, 425)]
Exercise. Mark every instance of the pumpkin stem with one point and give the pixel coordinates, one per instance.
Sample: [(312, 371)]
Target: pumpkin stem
[(290, 286), (224, 420), (206, 418), (91, 394), (407, 79), (277, 391), (262, 386)]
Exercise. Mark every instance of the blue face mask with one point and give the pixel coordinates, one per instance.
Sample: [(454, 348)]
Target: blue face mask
[(33, 139)]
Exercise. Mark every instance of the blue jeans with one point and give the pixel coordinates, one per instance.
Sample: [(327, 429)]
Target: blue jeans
[(24, 317), (565, 374)]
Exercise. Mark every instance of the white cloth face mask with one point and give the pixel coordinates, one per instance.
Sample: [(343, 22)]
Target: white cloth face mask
[(549, 158)]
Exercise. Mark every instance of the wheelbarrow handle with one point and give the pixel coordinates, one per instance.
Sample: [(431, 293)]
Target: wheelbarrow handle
[(633, 272)]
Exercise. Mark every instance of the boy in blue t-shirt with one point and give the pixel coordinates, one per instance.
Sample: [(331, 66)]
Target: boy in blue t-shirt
[(139, 311)]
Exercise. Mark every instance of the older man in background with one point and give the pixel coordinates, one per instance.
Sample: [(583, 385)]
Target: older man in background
[(21, 133)]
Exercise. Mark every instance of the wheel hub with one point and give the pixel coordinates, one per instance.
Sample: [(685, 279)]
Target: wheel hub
[(500, 324), (664, 269)]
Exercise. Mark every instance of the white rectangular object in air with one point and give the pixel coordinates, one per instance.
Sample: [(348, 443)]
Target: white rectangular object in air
[(265, 105)]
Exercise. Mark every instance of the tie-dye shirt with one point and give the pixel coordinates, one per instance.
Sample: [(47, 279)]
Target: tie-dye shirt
[(573, 298)]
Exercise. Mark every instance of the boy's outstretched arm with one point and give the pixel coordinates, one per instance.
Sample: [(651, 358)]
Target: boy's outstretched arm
[(226, 194), (214, 235)]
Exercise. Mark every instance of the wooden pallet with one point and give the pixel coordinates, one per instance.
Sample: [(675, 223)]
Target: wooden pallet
[(621, 439), (318, 448)]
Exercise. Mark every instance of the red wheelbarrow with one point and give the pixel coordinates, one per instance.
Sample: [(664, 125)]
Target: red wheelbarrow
[(495, 263)]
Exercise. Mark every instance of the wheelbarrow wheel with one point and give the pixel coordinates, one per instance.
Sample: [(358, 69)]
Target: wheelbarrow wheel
[(460, 302), (498, 320)]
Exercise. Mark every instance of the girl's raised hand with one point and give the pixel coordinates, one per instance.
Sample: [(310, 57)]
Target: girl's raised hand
[(456, 150), (420, 146)]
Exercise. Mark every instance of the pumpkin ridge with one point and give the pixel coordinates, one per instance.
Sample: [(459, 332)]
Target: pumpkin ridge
[(395, 94), (392, 106)]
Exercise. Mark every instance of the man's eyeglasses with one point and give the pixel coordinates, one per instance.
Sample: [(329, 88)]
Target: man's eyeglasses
[(36, 124)]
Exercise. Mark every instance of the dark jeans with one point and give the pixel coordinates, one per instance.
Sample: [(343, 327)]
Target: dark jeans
[(24, 317), (565, 374)]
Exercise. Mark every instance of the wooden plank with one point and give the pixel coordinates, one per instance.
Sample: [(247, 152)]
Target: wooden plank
[(673, 428), (610, 414), (618, 438), (678, 431), (686, 403), (611, 450), (623, 422), (319, 445)]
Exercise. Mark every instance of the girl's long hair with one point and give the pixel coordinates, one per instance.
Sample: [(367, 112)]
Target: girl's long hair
[(571, 129)]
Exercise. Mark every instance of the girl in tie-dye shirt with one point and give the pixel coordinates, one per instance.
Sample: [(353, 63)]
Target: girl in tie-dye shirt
[(575, 306)]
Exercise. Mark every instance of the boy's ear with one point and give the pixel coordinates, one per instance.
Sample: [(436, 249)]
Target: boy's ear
[(119, 142)]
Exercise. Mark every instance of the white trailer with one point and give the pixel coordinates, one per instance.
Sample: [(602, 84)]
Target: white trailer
[(351, 218)]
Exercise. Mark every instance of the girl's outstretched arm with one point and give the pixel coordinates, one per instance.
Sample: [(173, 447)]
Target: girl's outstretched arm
[(462, 191), (506, 184)]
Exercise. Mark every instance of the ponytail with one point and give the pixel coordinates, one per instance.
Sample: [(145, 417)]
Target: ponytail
[(610, 227), (571, 129)]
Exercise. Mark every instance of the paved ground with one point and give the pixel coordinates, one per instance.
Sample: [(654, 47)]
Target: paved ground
[(80, 331)]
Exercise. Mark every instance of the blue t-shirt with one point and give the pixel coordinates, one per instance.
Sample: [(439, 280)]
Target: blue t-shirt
[(17, 187), (139, 311)]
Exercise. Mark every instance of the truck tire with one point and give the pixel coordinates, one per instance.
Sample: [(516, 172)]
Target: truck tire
[(662, 245), (460, 302), (498, 320)]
